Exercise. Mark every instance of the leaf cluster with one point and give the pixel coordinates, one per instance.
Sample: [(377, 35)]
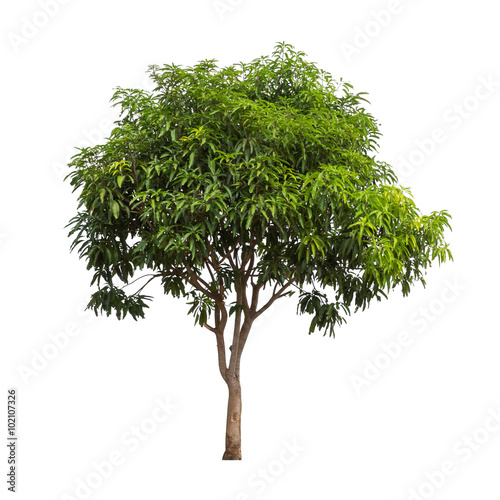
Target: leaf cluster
[(262, 173)]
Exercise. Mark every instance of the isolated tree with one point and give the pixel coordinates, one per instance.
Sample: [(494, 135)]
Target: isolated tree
[(238, 186)]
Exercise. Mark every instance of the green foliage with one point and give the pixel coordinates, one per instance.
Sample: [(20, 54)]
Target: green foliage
[(261, 173)]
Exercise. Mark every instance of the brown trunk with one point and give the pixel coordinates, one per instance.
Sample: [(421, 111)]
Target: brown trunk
[(233, 423)]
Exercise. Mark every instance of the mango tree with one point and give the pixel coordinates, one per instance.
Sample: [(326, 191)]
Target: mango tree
[(238, 186)]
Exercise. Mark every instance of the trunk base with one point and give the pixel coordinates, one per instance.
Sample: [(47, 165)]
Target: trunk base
[(233, 422), (232, 453)]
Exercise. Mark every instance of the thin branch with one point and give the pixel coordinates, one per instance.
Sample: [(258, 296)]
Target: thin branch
[(228, 253), (276, 296), (248, 272), (193, 280), (197, 278), (140, 278), (145, 285), (233, 264), (245, 258), (207, 260), (215, 262)]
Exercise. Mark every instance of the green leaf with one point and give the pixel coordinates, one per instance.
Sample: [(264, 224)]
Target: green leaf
[(116, 209)]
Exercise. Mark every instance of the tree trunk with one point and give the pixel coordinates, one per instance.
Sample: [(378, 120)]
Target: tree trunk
[(233, 423)]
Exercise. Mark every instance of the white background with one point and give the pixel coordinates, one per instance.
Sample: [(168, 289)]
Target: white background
[(424, 65)]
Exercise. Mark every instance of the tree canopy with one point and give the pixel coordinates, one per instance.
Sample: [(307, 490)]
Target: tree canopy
[(255, 175)]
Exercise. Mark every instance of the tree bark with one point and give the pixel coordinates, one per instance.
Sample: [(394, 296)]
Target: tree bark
[(231, 374), (233, 422)]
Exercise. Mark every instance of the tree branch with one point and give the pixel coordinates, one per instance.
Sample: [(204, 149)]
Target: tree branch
[(244, 299), (245, 330), (215, 263), (249, 270), (255, 296), (221, 346), (140, 278), (146, 284), (197, 278), (275, 297), (236, 333), (211, 328), (193, 280), (233, 265), (231, 249)]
